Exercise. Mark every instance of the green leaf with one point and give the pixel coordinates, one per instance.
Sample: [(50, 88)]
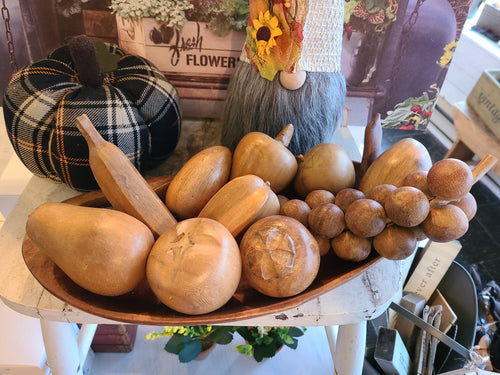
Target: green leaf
[(191, 350), (221, 336), (245, 333), (373, 6), (266, 340), (244, 349), (295, 332), (108, 61), (348, 9), (293, 344), (263, 351), (177, 343), (286, 339)]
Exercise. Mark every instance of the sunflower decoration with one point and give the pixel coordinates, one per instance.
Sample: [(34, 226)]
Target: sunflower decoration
[(274, 38), (265, 30)]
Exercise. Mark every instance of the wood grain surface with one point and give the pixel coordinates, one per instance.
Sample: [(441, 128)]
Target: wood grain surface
[(141, 307)]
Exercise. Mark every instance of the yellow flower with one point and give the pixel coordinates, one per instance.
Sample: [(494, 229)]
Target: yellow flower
[(266, 29), (449, 49)]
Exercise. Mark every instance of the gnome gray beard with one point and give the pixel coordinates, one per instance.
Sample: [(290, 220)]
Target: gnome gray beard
[(257, 104)]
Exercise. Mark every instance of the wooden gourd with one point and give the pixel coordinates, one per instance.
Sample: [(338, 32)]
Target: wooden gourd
[(266, 157), (103, 251), (198, 180), (241, 202), (394, 164), (121, 182)]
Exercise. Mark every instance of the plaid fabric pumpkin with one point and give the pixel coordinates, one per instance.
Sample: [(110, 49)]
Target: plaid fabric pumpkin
[(135, 108)]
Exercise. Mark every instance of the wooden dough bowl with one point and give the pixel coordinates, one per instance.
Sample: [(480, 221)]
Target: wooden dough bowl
[(143, 308)]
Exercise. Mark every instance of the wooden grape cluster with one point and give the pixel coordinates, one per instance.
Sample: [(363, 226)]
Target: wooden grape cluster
[(435, 204)]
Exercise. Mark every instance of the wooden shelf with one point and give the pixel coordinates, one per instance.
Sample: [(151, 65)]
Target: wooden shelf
[(473, 137)]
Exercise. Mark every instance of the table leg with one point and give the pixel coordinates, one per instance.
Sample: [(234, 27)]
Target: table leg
[(350, 349), (331, 335), (459, 150), (66, 347)]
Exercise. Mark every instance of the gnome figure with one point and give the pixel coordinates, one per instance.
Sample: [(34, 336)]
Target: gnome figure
[(289, 72)]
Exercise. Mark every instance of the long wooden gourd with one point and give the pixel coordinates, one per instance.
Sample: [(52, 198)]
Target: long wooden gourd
[(240, 202), (121, 182)]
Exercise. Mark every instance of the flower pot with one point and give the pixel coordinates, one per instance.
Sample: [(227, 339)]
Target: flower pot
[(195, 60), (263, 359), (205, 350)]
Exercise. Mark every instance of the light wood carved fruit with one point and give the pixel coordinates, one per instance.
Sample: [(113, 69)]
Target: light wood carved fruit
[(270, 159), (407, 206), (395, 242), (350, 247), (240, 202), (197, 181), (104, 251), (394, 164), (194, 267), (325, 166), (280, 256), (365, 218)]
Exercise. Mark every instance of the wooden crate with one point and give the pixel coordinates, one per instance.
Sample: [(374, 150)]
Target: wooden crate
[(490, 18), (100, 25), (114, 338), (485, 99), (195, 60)]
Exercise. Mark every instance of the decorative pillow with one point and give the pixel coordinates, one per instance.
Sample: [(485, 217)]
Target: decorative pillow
[(131, 105)]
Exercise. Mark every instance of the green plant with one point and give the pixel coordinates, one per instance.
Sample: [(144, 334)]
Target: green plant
[(264, 342), (412, 114), (172, 12), (221, 15), (189, 341)]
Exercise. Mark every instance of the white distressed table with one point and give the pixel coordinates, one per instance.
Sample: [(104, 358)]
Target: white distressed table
[(348, 306)]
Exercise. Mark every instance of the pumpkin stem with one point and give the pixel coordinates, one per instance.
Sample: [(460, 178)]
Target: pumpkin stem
[(285, 135), (84, 57)]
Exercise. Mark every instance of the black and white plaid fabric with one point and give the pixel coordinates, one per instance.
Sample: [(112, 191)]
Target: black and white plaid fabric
[(136, 108)]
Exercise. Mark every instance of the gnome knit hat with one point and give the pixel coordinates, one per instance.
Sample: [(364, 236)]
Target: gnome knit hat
[(294, 35)]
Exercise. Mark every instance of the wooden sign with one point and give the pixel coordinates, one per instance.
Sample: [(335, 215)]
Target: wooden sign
[(195, 60)]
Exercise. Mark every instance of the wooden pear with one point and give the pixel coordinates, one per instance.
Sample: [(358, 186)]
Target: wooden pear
[(394, 164), (102, 250)]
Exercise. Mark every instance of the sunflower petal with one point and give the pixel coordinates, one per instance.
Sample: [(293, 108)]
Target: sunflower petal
[(256, 24), (273, 22)]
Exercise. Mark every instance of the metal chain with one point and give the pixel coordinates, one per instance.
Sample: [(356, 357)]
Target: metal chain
[(8, 35)]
